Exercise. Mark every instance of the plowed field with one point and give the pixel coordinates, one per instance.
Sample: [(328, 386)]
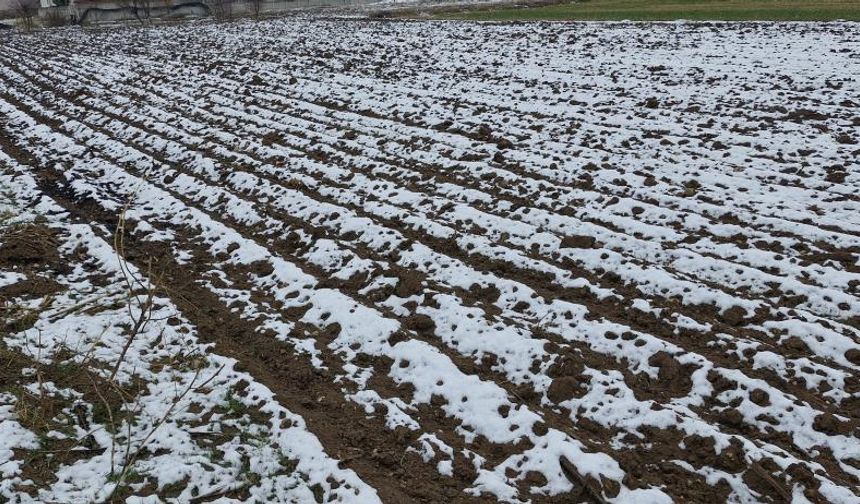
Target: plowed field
[(341, 260)]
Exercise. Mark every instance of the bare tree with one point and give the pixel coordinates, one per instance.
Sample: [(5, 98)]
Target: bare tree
[(221, 9), (54, 17), (140, 9), (256, 7), (26, 11)]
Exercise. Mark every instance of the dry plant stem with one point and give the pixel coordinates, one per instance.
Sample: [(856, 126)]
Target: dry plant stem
[(220, 492), (131, 456), (79, 306), (573, 475), (39, 376), (106, 404), (763, 474), (131, 280), (139, 323), (208, 380)]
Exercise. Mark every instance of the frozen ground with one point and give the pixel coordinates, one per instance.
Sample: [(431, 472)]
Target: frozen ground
[(426, 262)]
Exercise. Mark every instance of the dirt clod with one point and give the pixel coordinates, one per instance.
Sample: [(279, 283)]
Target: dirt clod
[(420, 323), (734, 316), (578, 241), (563, 388)]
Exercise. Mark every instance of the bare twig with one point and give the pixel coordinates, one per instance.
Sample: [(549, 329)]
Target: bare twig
[(218, 492), (131, 280), (763, 474), (573, 475), (107, 406), (131, 456)]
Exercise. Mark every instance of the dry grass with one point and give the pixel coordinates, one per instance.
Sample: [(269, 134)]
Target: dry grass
[(655, 10)]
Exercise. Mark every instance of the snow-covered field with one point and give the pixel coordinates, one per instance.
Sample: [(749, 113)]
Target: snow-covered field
[(317, 260)]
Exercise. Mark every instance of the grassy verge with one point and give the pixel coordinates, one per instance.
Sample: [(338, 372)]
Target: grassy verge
[(656, 10)]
